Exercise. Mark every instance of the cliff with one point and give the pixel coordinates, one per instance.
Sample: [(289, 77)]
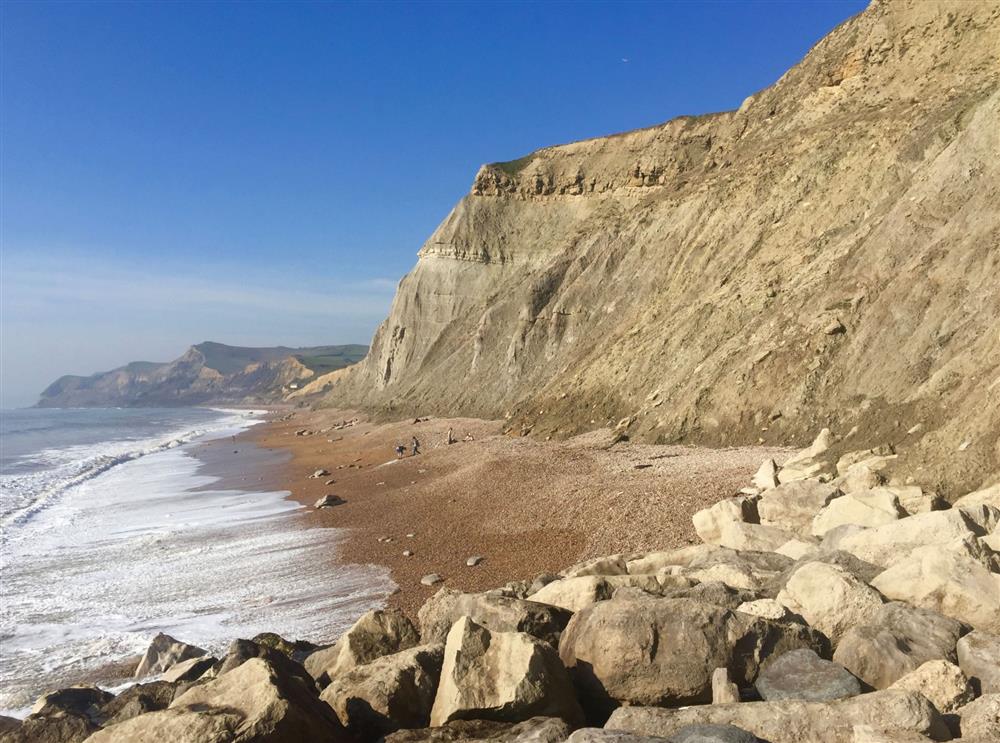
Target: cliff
[(827, 255), (208, 373)]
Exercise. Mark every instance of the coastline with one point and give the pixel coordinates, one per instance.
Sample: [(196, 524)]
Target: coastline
[(524, 505)]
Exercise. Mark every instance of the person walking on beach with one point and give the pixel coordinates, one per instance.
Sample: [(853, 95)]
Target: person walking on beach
[(415, 446), (400, 451)]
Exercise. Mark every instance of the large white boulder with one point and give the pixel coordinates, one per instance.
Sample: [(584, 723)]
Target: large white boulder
[(829, 598)]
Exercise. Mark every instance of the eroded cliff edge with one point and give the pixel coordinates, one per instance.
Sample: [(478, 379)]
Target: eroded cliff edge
[(828, 254)]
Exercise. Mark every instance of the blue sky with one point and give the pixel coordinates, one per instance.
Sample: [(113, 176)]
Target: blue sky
[(264, 173)]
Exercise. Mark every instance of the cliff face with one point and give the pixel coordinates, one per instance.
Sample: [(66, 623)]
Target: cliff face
[(826, 255), (209, 373)]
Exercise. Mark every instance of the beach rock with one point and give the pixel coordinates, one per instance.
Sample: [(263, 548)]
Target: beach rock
[(600, 735), (297, 650), (610, 565), (766, 476), (724, 691), (715, 593), (883, 545), (377, 633), (503, 676), (319, 473), (863, 571), (574, 594), (755, 537), (496, 613), (980, 719), (138, 700), (664, 651), (989, 496), (796, 549), (866, 508), (253, 703), (899, 640), (535, 730), (732, 575), (803, 675), (709, 522), (701, 733), (941, 682), (329, 501), (794, 505), (241, 651), (59, 727), (189, 670), (432, 579), (914, 500), (793, 721), (659, 562), (390, 692), (474, 560), (765, 609), (871, 734), (979, 657), (947, 582), (810, 463), (77, 700), (829, 598), (163, 652)]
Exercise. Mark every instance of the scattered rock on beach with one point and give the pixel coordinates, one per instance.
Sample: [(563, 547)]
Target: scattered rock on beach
[(431, 579), (474, 560), (329, 501)]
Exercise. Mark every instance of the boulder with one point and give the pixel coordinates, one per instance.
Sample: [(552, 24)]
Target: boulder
[(390, 692), (600, 735), (240, 651), (610, 565), (138, 700), (883, 545), (77, 700), (574, 594), (794, 505), (732, 575), (664, 651), (811, 462), (914, 500), (712, 734), (253, 703), (766, 476), (496, 613), (948, 582), (941, 682), (715, 593), (865, 508), (979, 657), (709, 522), (793, 721), (297, 650), (658, 562), (797, 549), (766, 609), (871, 734), (164, 651), (980, 720), (503, 676), (989, 496), (378, 632), (60, 727), (803, 675), (740, 536), (191, 669), (829, 598), (535, 730), (898, 641)]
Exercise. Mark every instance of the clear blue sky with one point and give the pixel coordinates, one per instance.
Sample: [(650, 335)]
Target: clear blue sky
[(263, 173)]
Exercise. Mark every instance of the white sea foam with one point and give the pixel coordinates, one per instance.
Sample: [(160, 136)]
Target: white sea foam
[(145, 545)]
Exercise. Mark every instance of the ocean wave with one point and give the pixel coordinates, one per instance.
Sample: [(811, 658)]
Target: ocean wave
[(27, 495)]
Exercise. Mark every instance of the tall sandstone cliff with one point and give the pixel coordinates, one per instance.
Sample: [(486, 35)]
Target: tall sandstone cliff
[(827, 255)]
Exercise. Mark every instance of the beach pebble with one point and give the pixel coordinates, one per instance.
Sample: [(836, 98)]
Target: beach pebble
[(474, 560), (431, 580), (319, 473), (407, 553), (411, 535), (329, 482)]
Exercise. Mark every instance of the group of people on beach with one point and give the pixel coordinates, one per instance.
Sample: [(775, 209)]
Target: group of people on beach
[(415, 444)]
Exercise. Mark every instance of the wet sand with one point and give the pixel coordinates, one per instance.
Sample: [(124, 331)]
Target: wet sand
[(526, 506)]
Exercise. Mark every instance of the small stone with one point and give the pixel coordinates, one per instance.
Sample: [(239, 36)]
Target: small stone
[(318, 473), (724, 691), (835, 328), (474, 560), (431, 580), (328, 501), (411, 535), (407, 553)]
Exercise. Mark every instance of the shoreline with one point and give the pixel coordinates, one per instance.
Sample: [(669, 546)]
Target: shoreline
[(524, 505)]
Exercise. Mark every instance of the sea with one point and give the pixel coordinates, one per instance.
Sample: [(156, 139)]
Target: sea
[(111, 531)]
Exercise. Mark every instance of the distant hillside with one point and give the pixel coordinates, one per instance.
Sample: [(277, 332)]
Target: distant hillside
[(208, 373)]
